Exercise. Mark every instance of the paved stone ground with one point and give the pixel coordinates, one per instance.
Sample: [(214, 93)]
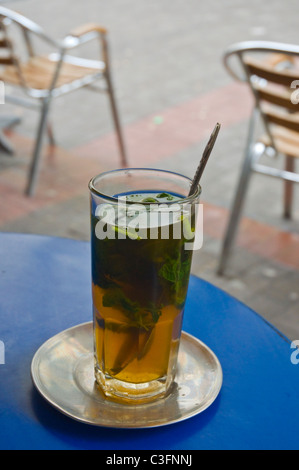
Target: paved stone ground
[(171, 89)]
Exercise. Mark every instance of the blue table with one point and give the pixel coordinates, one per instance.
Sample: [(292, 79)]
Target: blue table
[(45, 288)]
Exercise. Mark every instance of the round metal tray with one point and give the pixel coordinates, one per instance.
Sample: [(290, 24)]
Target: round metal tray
[(62, 371)]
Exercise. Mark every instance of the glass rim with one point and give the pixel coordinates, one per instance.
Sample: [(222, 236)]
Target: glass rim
[(184, 200)]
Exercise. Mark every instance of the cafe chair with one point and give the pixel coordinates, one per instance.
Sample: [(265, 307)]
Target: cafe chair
[(45, 77), (269, 69)]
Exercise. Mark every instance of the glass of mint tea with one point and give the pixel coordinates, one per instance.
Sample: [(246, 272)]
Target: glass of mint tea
[(142, 234)]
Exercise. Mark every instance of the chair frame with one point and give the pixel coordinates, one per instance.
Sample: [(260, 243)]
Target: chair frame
[(254, 150), (7, 122), (41, 99)]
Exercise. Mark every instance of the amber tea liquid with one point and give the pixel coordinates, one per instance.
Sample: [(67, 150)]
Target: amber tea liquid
[(139, 287)]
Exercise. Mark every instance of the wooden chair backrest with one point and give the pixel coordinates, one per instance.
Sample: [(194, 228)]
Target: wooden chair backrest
[(273, 88), (8, 57), (6, 47), (7, 53)]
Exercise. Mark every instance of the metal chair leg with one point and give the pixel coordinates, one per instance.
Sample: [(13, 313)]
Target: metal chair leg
[(252, 155), (6, 122), (235, 214), (288, 188), (5, 145), (51, 137), (34, 168), (123, 156)]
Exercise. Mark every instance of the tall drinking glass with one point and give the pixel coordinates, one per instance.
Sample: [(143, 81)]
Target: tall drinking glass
[(142, 234)]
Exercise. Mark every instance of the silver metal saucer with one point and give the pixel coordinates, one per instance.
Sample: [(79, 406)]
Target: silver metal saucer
[(62, 371)]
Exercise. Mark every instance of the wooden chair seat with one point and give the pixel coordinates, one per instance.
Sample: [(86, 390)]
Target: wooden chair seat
[(38, 73), (285, 140)]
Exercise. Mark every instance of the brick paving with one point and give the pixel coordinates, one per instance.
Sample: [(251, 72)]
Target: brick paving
[(166, 127)]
